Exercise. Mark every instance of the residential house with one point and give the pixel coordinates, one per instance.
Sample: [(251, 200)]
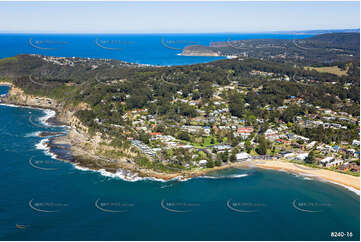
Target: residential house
[(271, 134), (245, 132)]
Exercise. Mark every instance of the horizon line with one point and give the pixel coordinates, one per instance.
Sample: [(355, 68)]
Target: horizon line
[(225, 32)]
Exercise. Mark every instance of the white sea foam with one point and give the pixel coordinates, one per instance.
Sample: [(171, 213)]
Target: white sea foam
[(181, 178), (310, 177), (81, 168), (349, 188), (43, 145), (10, 105), (235, 176), (48, 114), (33, 134), (342, 185), (134, 177), (306, 176), (127, 175)]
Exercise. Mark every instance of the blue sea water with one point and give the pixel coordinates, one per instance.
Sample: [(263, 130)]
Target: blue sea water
[(154, 49), (66, 203)]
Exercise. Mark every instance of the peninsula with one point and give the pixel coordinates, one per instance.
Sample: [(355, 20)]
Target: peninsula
[(183, 121)]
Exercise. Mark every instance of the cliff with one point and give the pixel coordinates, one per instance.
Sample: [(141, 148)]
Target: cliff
[(90, 151)]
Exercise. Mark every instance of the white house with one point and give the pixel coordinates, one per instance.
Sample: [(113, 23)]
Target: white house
[(242, 156), (207, 130), (356, 142), (310, 145), (302, 156), (289, 156), (244, 132), (326, 160), (271, 134), (334, 163), (203, 162), (221, 147)]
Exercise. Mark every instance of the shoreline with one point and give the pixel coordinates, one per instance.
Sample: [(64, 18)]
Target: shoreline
[(348, 181), (321, 175), (134, 173), (131, 176)]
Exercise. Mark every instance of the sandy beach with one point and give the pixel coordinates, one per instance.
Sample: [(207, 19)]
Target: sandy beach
[(281, 165), (336, 177), (73, 135)]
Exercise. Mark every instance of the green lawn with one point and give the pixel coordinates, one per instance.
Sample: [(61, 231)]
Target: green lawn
[(207, 142)]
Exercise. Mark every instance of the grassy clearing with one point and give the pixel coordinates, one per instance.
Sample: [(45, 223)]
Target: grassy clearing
[(328, 69), (207, 141)]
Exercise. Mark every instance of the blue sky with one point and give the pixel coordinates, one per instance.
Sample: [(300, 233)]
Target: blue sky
[(175, 17)]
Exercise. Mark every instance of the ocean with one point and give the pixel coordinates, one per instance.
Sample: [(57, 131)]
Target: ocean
[(47, 199), (43, 198), (153, 49)]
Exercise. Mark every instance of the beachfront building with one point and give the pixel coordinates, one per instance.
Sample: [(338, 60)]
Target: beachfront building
[(203, 162), (302, 156), (326, 160), (242, 156), (334, 163), (289, 156)]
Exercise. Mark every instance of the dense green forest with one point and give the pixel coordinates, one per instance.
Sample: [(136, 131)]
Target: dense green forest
[(263, 86), (126, 87), (322, 49)]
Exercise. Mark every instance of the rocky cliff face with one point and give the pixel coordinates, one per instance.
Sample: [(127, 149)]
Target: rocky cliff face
[(88, 150), (82, 144), (64, 114), (78, 133)]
